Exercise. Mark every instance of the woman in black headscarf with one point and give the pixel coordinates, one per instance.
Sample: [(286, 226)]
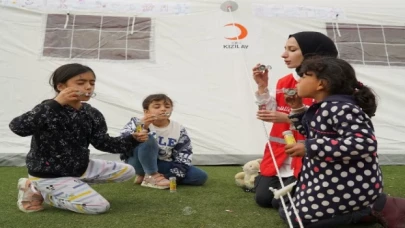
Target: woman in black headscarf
[(275, 110), (386, 210)]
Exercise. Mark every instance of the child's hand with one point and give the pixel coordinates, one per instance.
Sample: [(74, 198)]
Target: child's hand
[(294, 101), (148, 119), (272, 116), (295, 150), (141, 136), (67, 95)]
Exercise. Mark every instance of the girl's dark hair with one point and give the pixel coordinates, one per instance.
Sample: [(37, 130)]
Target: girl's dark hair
[(155, 97), (340, 78), (66, 72)]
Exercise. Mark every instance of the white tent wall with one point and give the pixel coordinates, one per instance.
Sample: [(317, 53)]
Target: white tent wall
[(211, 86)]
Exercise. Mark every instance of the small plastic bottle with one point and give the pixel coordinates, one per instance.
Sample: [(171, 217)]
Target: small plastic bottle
[(289, 137), (173, 187), (139, 126)]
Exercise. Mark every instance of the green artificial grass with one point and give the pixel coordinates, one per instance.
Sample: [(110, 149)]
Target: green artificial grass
[(219, 203)]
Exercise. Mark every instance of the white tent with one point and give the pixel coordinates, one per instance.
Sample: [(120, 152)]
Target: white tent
[(185, 49)]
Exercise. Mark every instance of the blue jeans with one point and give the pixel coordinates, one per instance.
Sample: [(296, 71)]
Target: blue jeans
[(194, 175), (144, 158)]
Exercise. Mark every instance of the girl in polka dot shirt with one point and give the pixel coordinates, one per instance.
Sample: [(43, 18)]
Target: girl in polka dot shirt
[(340, 178)]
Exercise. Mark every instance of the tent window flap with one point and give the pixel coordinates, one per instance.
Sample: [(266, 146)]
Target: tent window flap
[(382, 45), (98, 37)]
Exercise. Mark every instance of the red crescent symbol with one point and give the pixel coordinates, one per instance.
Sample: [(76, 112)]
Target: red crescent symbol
[(243, 31)]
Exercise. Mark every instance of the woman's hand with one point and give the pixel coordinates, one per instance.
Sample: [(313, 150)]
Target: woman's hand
[(272, 116), (261, 77)]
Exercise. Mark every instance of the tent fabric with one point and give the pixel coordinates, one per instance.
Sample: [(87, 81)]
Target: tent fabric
[(198, 54)]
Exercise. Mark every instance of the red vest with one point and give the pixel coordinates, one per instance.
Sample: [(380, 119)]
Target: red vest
[(276, 137)]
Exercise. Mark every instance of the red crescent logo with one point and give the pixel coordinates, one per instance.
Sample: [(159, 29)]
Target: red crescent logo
[(243, 31)]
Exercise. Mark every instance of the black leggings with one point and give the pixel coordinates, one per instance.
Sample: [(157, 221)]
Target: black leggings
[(264, 196), (343, 220), (337, 221)]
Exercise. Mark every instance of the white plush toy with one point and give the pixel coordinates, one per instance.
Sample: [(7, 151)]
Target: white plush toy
[(246, 178)]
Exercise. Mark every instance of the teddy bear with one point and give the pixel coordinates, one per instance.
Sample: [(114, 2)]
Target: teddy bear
[(246, 179)]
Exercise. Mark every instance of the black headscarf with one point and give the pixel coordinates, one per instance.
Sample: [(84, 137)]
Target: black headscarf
[(315, 43)]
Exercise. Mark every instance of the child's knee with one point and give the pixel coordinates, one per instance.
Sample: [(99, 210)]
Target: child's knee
[(264, 199), (149, 145), (97, 208), (203, 178), (152, 143), (124, 172), (129, 172), (105, 207), (198, 178)]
